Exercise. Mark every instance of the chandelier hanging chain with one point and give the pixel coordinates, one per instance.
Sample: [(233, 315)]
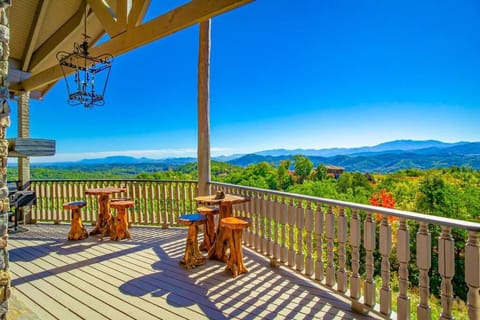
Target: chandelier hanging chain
[(90, 73)]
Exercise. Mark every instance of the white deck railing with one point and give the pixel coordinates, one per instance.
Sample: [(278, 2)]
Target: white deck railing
[(323, 239), (156, 202), (334, 243)]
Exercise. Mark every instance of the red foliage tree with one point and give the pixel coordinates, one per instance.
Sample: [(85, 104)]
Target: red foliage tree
[(383, 199)]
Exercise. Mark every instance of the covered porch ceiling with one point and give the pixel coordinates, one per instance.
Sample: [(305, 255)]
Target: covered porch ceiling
[(39, 29)]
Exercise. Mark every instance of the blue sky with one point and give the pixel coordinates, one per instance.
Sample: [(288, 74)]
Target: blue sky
[(285, 74)]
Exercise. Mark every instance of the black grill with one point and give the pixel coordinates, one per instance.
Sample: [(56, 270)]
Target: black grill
[(18, 199), (22, 198)]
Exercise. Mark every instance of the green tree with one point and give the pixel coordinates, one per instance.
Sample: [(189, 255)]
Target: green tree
[(320, 172), (284, 179), (303, 167), (434, 196)]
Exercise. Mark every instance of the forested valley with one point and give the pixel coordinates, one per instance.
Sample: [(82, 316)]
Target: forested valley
[(449, 192)]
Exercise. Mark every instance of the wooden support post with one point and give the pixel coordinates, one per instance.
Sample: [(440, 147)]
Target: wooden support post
[(23, 114), (203, 151)]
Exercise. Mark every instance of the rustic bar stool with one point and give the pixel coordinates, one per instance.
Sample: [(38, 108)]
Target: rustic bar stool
[(77, 229), (120, 230), (233, 234), (192, 257), (209, 228)]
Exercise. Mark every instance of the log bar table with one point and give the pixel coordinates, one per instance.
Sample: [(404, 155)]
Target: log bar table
[(220, 246), (104, 217)]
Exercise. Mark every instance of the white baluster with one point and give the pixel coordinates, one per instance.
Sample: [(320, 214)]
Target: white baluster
[(369, 244), (283, 228), (446, 268), (330, 222), (269, 216), (309, 229), (276, 225), (355, 241), (291, 233), (300, 215), (385, 251), (424, 260), (342, 275), (403, 256), (256, 209), (319, 270), (472, 274)]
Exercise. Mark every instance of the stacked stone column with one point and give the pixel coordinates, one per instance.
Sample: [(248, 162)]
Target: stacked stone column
[(5, 289)]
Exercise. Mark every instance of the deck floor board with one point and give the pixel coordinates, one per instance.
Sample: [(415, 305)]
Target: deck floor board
[(140, 278)]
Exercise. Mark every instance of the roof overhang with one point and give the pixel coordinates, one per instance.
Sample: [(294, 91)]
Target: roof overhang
[(39, 29)]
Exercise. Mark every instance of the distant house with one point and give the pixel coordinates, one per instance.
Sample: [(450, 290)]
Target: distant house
[(370, 177), (334, 171)]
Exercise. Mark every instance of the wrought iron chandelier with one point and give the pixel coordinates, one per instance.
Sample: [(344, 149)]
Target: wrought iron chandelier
[(90, 76)]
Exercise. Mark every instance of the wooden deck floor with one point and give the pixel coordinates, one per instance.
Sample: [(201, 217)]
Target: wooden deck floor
[(140, 278)]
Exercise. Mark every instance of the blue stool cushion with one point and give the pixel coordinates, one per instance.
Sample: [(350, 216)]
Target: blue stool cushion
[(194, 217), (76, 203)]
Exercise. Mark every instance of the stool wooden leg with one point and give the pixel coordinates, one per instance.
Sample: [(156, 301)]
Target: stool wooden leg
[(77, 230), (121, 225), (192, 256), (104, 218), (235, 262), (219, 249), (208, 233)]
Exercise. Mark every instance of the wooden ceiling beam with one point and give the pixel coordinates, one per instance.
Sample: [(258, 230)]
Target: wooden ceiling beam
[(180, 18), (122, 13), (175, 20), (34, 32), (112, 23), (137, 13), (53, 43)]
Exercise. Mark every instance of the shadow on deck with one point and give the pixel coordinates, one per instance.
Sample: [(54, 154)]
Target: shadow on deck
[(141, 278)]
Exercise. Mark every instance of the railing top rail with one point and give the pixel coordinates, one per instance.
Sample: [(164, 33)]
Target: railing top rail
[(454, 223), (116, 179)]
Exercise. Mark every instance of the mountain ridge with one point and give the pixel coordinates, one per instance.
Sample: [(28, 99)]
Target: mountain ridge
[(457, 154), (384, 157)]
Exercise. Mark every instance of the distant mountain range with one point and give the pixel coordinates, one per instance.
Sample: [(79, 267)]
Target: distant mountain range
[(132, 160), (396, 146), (385, 157)]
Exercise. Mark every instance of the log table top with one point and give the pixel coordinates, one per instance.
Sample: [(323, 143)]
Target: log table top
[(104, 190), (227, 199)]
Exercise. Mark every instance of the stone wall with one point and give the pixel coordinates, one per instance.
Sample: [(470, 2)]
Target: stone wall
[(5, 289)]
